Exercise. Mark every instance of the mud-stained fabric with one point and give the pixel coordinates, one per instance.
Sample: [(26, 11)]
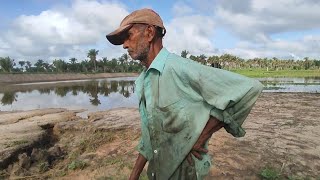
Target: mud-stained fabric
[(176, 98)]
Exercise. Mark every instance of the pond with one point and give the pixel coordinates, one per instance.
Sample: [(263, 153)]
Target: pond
[(92, 95), (103, 94), (309, 85)]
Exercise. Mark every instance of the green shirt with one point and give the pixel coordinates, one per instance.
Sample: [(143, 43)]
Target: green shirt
[(177, 97)]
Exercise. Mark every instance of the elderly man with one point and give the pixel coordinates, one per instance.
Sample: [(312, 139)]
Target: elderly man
[(181, 102)]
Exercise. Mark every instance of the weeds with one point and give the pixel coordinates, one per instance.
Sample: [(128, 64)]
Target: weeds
[(269, 173), (43, 167), (94, 141), (77, 165)]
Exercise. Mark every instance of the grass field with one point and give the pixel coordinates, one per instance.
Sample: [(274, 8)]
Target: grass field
[(259, 73)]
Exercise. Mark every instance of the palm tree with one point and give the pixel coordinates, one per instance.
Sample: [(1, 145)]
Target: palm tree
[(28, 66), (39, 65), (6, 64), (22, 63), (73, 60), (92, 54), (202, 59), (184, 53)]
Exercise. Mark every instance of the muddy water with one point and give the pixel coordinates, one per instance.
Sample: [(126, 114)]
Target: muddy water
[(103, 94)]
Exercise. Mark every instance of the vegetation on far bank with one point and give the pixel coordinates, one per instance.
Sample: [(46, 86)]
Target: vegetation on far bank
[(256, 67), (260, 73)]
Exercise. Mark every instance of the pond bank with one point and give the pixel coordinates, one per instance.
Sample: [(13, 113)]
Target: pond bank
[(28, 78), (283, 132)]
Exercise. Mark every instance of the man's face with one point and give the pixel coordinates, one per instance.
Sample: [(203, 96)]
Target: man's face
[(136, 43)]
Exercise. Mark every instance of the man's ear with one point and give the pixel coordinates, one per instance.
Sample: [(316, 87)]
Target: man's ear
[(151, 33)]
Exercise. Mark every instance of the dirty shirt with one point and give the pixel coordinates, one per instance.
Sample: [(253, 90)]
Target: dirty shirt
[(177, 96)]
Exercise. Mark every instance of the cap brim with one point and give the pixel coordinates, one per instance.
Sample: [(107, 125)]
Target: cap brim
[(116, 37)]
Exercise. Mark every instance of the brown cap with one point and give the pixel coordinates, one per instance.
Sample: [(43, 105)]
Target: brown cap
[(142, 16)]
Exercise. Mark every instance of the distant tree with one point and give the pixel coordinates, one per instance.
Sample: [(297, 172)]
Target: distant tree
[(6, 64), (22, 63), (73, 64), (73, 60), (202, 59), (28, 65), (39, 65), (92, 54), (184, 53), (307, 63), (60, 65)]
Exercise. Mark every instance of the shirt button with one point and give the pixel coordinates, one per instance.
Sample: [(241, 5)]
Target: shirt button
[(155, 151)]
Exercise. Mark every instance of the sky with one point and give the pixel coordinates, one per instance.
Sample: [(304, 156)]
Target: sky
[(53, 29)]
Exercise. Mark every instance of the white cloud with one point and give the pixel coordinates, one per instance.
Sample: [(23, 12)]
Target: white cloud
[(190, 31), (58, 32), (63, 32), (306, 46), (181, 8), (263, 18), (254, 22)]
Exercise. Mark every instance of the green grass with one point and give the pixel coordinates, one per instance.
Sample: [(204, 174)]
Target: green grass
[(269, 173), (259, 73), (43, 167), (77, 165)]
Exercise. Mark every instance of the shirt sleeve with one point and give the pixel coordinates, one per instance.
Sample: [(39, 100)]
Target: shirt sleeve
[(144, 146), (143, 149), (230, 95)]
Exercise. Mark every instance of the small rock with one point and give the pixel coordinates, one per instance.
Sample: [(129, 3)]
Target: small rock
[(38, 155), (24, 161), (55, 151)]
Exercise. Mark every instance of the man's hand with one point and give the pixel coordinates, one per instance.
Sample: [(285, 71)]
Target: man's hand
[(212, 126), (138, 167)]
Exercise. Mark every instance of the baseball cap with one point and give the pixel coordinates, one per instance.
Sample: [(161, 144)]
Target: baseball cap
[(142, 16)]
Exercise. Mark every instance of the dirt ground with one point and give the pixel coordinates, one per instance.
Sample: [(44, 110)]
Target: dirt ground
[(282, 142)]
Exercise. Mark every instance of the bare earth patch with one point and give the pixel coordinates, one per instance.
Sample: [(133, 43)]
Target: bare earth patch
[(282, 142)]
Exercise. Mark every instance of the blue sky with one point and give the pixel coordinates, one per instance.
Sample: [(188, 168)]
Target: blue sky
[(51, 29)]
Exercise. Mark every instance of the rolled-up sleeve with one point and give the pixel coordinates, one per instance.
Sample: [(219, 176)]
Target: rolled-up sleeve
[(143, 149), (230, 95), (236, 112)]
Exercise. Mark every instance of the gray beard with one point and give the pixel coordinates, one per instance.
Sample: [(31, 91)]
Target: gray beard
[(143, 56)]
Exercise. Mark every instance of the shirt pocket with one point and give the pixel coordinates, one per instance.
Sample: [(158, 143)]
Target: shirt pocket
[(172, 114)]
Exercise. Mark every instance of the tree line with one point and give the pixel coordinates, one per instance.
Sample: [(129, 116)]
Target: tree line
[(231, 62), (125, 64), (91, 65)]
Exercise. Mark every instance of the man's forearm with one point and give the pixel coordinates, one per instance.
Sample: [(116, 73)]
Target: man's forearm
[(212, 126), (138, 167)]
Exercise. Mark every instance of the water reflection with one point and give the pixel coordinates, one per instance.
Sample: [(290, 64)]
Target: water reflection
[(91, 88), (103, 94), (8, 98), (308, 84), (94, 95)]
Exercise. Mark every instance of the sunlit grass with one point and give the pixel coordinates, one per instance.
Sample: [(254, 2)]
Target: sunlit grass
[(258, 73)]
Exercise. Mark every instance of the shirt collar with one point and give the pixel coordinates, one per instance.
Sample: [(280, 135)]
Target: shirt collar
[(159, 62)]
